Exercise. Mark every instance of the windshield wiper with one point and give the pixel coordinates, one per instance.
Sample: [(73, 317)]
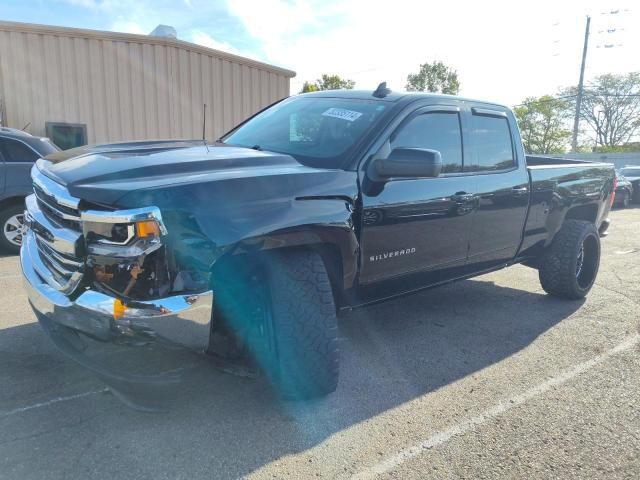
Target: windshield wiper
[(256, 147)]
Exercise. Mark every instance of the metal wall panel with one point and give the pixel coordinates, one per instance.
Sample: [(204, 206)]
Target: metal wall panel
[(127, 87)]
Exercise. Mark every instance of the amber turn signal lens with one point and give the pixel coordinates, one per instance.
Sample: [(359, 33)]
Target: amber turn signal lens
[(118, 309), (147, 228)]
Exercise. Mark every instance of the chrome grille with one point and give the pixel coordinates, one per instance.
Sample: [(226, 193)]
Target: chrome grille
[(60, 214), (54, 222)]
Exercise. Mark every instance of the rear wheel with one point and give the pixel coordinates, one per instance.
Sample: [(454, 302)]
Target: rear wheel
[(11, 220), (281, 312), (569, 267)]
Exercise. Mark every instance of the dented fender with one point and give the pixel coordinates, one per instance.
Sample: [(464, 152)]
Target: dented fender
[(300, 207)]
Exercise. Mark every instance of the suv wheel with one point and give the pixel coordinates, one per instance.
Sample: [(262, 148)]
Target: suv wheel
[(625, 200), (12, 220)]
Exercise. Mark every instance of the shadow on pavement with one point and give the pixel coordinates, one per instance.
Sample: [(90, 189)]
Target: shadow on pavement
[(228, 426)]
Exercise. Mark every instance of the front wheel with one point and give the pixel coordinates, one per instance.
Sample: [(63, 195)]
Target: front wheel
[(305, 327), (569, 267), (278, 308)]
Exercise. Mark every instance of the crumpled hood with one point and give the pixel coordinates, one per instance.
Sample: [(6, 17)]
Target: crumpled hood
[(103, 175)]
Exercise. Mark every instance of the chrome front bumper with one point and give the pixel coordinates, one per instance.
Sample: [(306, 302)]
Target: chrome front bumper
[(183, 319)]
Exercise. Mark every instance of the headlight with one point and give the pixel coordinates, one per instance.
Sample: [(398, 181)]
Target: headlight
[(109, 233), (121, 227), (123, 233), (124, 251)]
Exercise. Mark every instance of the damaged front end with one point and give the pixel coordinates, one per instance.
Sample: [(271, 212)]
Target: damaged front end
[(127, 259), (109, 276)]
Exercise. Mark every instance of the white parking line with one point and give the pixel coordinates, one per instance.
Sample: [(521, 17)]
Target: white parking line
[(444, 436), (50, 402)]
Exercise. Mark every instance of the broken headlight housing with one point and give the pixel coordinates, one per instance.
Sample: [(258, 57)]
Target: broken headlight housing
[(125, 253)]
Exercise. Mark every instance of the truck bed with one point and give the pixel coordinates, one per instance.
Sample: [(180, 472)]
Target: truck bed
[(560, 184)]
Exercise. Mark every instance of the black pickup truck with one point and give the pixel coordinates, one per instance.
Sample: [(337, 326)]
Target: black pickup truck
[(248, 248)]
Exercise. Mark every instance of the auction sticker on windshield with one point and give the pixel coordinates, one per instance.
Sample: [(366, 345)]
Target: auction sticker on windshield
[(348, 115)]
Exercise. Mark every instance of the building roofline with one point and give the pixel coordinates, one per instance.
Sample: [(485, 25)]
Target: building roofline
[(143, 39)]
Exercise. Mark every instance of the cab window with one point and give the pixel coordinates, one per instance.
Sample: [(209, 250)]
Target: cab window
[(435, 131), (491, 143)]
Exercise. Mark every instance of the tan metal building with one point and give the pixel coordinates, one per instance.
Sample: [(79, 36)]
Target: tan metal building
[(127, 87)]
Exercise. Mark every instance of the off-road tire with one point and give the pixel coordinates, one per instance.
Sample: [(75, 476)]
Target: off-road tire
[(289, 293), (559, 271), (5, 214), (304, 325)]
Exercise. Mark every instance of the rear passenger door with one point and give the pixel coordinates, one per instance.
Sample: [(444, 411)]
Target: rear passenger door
[(18, 160), (502, 185)]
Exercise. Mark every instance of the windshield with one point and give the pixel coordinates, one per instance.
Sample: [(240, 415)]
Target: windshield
[(48, 146), (317, 131), (630, 172)]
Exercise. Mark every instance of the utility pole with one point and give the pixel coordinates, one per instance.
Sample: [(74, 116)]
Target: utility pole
[(576, 121)]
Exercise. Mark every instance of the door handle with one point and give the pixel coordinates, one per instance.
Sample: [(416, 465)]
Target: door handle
[(462, 196), (520, 190)]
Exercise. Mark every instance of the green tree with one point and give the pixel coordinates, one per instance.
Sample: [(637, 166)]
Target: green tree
[(309, 87), (610, 107), (328, 82), (543, 124), (434, 77)]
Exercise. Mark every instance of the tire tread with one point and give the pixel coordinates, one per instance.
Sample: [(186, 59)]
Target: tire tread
[(557, 267), (305, 324)]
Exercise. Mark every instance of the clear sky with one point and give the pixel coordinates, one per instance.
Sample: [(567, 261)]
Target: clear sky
[(503, 50)]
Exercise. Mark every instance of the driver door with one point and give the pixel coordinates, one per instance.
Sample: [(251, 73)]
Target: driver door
[(422, 224)]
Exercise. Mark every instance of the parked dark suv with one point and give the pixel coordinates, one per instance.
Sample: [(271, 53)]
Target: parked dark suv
[(18, 153), (632, 174)]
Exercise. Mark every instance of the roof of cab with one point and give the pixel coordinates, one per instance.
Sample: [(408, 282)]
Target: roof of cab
[(393, 96)]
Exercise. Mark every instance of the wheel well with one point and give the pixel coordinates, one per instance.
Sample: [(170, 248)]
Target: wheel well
[(11, 201), (587, 213)]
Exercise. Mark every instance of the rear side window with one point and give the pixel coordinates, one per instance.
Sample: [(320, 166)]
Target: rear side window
[(14, 151), (491, 143), (435, 131)]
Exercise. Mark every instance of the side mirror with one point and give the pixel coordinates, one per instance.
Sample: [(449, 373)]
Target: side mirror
[(405, 162)]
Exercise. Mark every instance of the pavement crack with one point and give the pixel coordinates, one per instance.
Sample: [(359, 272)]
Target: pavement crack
[(16, 411), (44, 432), (612, 290)]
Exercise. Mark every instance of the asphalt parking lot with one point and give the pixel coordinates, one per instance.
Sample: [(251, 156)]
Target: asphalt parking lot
[(485, 378)]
